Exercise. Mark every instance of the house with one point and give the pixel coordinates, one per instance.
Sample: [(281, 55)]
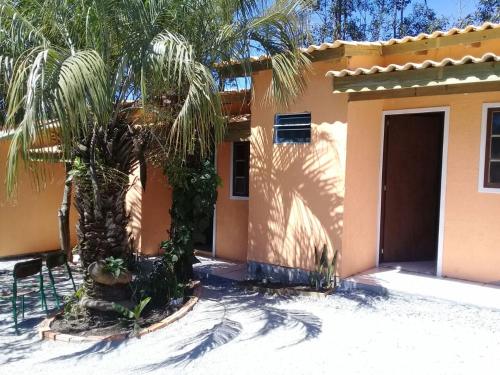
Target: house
[(389, 156)]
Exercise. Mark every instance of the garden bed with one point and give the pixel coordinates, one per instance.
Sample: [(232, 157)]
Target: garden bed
[(56, 328), (283, 289)]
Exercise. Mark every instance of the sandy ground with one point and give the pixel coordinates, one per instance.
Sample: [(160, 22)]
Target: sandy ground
[(231, 331)]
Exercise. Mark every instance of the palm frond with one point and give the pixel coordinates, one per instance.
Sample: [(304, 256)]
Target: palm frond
[(53, 86), (16, 31), (274, 32), (173, 64)]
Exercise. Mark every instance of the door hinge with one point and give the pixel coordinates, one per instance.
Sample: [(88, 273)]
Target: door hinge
[(385, 187), (381, 251)]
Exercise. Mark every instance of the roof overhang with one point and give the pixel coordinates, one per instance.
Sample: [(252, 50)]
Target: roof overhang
[(238, 129), (323, 52), (428, 78), (420, 44)]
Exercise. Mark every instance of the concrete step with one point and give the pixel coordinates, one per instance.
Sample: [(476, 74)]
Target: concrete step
[(394, 281)]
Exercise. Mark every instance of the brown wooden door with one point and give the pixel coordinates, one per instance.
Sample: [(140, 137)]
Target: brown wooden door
[(411, 187)]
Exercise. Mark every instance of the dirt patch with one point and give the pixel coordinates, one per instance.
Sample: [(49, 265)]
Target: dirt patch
[(108, 326)]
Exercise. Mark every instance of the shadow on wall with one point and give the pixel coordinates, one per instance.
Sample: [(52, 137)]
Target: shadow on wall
[(28, 220), (297, 196), (149, 210)]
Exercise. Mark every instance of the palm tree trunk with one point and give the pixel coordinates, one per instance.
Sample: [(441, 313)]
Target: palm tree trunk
[(102, 236), (101, 185), (106, 235), (63, 213)]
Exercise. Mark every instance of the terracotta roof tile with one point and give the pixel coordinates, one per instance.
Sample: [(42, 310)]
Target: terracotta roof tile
[(407, 39), (415, 66)]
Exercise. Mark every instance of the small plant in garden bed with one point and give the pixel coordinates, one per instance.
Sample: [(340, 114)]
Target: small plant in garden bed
[(322, 280), (155, 295), (114, 266), (134, 314), (73, 311)]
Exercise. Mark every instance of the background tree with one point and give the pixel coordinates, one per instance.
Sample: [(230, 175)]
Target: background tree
[(423, 19), (373, 20), (486, 11), (340, 19)]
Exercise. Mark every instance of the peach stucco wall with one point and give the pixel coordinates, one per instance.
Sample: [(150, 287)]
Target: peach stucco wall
[(297, 191), (28, 221), (231, 238), (149, 210), (471, 234)]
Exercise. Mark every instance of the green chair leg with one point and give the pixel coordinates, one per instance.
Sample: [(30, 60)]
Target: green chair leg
[(53, 286), (71, 276), (22, 306), (42, 295), (14, 305)]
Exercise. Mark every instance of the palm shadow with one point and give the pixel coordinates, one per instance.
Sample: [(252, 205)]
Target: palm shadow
[(98, 349), (364, 299), (260, 308)]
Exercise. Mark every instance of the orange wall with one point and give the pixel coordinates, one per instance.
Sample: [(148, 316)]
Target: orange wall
[(156, 203), (297, 191), (29, 222), (231, 239), (149, 210), (471, 234)]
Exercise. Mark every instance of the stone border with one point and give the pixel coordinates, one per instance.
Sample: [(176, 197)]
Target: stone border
[(46, 333)]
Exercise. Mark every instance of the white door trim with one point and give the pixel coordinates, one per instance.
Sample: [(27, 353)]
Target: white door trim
[(442, 204), (214, 221)]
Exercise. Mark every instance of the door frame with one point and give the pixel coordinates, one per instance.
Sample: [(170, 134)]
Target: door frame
[(214, 221), (444, 164)]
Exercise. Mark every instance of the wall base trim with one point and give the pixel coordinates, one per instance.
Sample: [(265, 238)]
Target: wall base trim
[(286, 275)]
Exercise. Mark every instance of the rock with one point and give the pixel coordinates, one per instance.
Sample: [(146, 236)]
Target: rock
[(105, 306), (97, 273)]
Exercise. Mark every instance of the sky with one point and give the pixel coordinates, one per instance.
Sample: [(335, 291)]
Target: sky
[(449, 8), (453, 8)]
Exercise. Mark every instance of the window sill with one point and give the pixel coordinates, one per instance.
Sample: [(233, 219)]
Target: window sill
[(489, 190), (291, 143), (238, 198)]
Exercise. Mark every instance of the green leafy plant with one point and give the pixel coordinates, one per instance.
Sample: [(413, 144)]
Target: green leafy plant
[(194, 182), (178, 291), (330, 272), (72, 308), (115, 266), (160, 283), (324, 270), (134, 314)]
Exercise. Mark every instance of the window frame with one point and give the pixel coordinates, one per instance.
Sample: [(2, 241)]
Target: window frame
[(276, 126), (231, 169), (485, 150)]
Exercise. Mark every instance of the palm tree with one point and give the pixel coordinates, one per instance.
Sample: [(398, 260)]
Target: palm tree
[(111, 75)]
